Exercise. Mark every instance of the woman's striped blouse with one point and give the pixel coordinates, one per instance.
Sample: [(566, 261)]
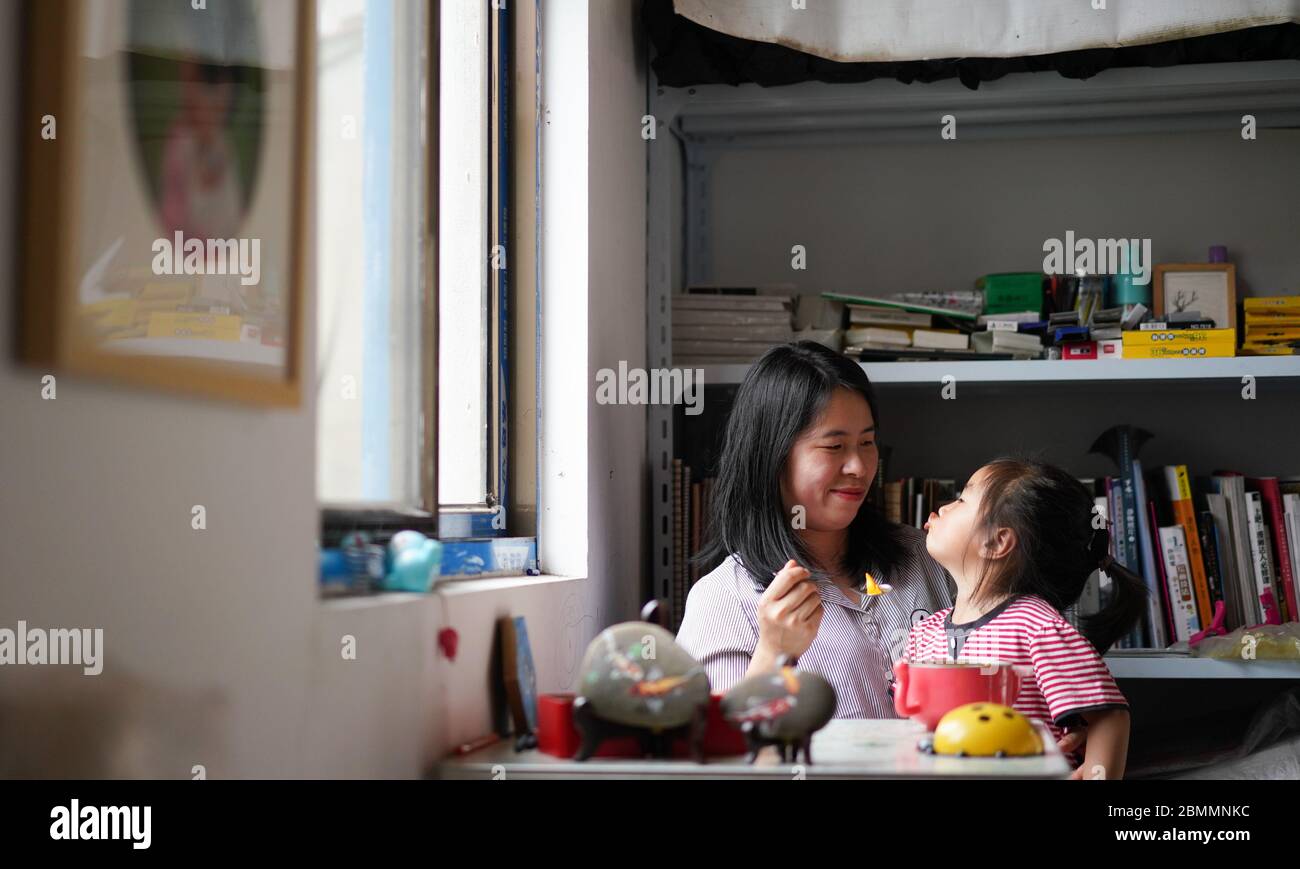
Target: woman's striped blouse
[(857, 641)]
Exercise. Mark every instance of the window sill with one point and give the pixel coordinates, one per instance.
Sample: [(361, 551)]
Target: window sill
[(446, 587)]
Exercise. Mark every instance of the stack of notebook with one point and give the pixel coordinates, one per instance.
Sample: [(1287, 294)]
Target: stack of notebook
[(718, 326)]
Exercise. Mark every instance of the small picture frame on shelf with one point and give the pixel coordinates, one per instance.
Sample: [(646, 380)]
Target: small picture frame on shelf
[(1210, 288)]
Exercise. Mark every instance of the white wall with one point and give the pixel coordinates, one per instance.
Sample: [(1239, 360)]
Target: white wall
[(218, 651), (618, 485), (902, 217)]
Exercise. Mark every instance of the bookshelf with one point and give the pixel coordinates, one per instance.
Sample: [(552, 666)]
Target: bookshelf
[(1174, 398), (1055, 371), (1157, 666)]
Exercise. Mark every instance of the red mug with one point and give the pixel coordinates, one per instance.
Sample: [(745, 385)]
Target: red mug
[(925, 691)]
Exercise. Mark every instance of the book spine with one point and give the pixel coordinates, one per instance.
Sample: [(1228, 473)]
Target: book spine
[(1180, 498), (1178, 579), (696, 515), (1128, 508), (1146, 533), (706, 518), (1162, 578), (1114, 510), (1116, 513), (894, 502), (1273, 514), (1239, 534), (1147, 543), (1225, 548), (679, 539), (1261, 560), (876, 494), (1210, 557), (1291, 510)]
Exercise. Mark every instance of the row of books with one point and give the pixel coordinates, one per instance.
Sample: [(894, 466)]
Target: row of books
[(916, 326), (1082, 330), (910, 501), (878, 327), (1198, 543), (719, 325), (691, 502), (1223, 538)]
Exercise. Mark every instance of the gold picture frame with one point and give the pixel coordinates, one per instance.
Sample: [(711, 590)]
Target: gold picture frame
[(163, 155), (1220, 306)]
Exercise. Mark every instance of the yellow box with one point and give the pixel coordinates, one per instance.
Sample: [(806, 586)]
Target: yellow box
[(1269, 350), (1180, 351), (1178, 338), (1271, 303)]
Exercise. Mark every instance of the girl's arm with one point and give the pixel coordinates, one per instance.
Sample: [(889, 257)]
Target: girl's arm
[(1107, 747)]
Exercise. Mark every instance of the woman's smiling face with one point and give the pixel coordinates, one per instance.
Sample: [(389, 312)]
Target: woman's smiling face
[(832, 464)]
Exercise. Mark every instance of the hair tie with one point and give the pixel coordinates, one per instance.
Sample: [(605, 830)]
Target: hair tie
[(1099, 546)]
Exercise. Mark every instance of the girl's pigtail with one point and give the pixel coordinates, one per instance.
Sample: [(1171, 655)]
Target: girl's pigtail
[(1128, 598)]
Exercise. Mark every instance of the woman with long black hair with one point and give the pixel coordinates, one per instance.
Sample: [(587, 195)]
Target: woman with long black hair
[(791, 522)]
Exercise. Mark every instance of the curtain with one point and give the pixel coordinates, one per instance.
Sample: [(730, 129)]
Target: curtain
[(872, 31)]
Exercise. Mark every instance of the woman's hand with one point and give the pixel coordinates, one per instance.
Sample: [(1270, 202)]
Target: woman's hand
[(789, 614)]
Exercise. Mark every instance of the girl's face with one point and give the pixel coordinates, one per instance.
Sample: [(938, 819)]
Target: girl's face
[(832, 464), (951, 538)]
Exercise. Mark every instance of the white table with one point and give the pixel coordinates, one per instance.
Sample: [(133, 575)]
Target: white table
[(845, 748)]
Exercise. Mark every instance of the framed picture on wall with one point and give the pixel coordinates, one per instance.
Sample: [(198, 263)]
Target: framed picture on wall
[(165, 169), (1207, 288)]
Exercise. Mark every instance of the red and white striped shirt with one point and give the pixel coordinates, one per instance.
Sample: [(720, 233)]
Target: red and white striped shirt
[(1068, 676)]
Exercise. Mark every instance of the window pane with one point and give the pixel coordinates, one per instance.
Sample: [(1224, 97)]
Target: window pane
[(463, 254), (371, 222)]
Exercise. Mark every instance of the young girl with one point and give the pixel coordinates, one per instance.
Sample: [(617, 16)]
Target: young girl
[(1020, 543)]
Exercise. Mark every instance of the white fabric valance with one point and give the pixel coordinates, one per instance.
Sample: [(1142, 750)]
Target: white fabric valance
[(904, 30)]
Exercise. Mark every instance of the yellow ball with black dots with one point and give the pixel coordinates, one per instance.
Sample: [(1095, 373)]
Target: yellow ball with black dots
[(986, 730)]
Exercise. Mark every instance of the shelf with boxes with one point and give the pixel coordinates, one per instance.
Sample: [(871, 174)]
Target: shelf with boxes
[(1052, 371)]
